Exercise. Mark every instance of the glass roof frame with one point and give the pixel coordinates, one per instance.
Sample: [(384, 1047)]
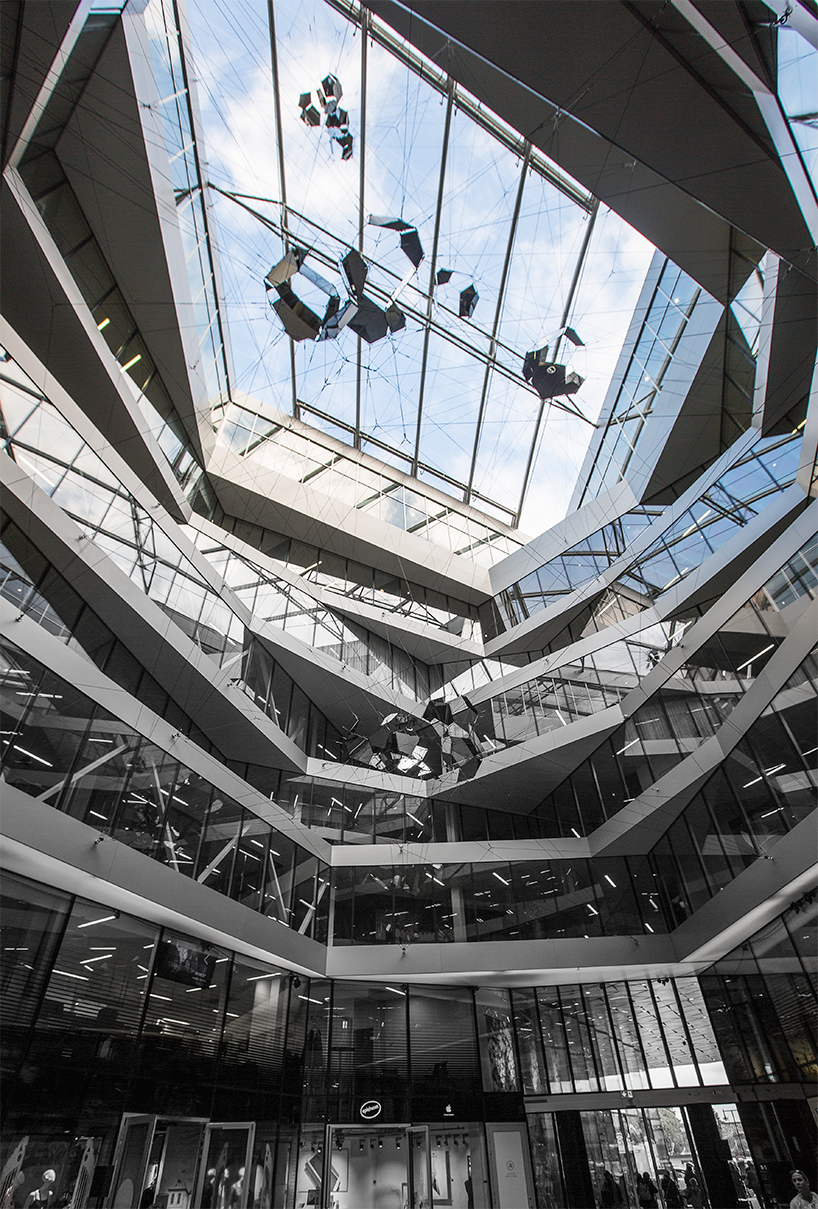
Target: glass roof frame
[(308, 454), (489, 359), (485, 424), (531, 160)]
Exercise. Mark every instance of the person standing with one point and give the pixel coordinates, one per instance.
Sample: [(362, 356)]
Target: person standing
[(695, 1197), (753, 1186), (803, 1199), (646, 1192), (670, 1191), (609, 1194)]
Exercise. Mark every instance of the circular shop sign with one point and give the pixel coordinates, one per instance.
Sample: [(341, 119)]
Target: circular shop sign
[(370, 1109)]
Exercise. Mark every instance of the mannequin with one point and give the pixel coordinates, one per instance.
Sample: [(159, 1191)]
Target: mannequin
[(42, 1195)]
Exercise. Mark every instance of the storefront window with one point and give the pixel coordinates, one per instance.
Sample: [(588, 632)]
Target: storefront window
[(443, 1048), (224, 1174), (672, 1151), (183, 1022), (554, 1041), (627, 1035), (369, 1056), (31, 921), (74, 1082), (529, 1040), (307, 1170), (251, 1057), (612, 1167), (731, 1131), (545, 1161), (497, 1055)]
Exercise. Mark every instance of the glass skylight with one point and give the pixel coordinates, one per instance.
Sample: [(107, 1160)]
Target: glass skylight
[(443, 396)]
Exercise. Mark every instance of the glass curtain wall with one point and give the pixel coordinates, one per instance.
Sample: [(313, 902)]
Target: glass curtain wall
[(105, 1013), (62, 749)]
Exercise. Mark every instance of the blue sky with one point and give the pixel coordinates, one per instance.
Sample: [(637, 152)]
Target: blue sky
[(404, 134)]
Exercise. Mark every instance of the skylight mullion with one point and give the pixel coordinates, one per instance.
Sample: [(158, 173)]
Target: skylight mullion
[(282, 179), (496, 325), (277, 110), (361, 217), (405, 53), (569, 302), (379, 293), (444, 155)]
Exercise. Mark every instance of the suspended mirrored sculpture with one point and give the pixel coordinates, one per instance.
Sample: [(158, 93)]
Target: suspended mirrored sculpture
[(468, 296), (409, 238), (549, 378), (332, 92), (395, 318), (369, 320), (345, 142), (299, 320), (336, 120), (309, 114), (468, 301), (355, 271)]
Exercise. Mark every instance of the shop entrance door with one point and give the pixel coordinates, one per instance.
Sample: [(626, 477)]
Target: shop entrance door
[(372, 1167), (421, 1188), (155, 1162), (224, 1172)]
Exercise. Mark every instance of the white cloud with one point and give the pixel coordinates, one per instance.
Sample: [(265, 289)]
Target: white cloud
[(403, 135)]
